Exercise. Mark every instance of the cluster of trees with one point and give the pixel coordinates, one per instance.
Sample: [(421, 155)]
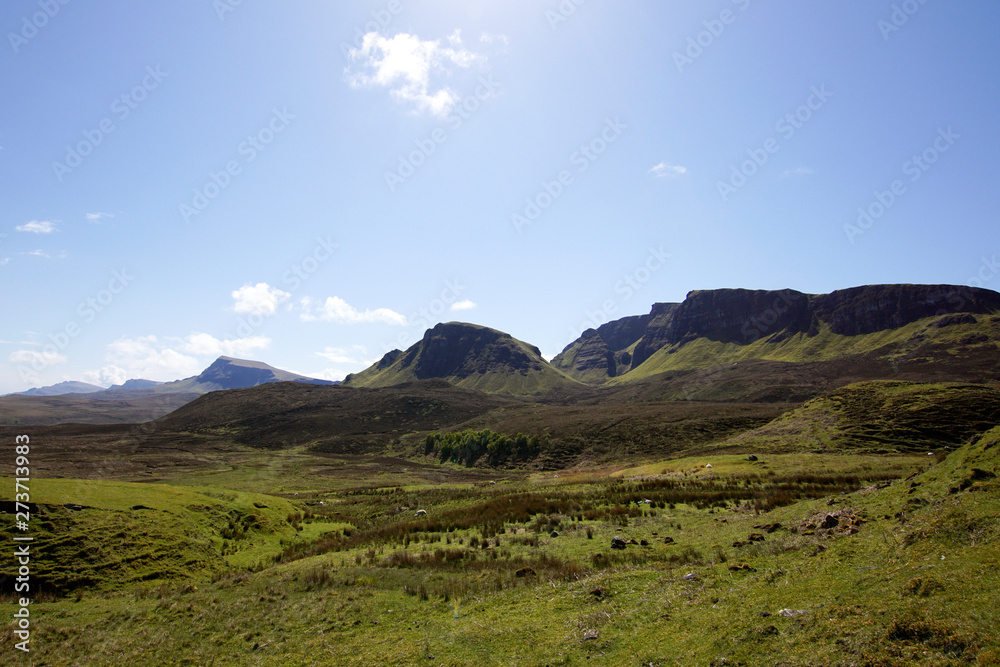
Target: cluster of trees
[(469, 446)]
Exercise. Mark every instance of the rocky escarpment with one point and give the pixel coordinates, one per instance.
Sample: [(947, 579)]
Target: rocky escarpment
[(862, 310), (470, 356), (744, 316), (602, 352), (460, 350)]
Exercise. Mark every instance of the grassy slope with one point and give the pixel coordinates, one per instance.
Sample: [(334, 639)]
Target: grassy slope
[(913, 585), (704, 353), (179, 533), (880, 416)]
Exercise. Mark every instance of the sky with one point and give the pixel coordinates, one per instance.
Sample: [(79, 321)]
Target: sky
[(312, 183)]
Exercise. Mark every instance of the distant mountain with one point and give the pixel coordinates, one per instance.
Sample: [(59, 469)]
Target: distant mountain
[(143, 400), (71, 387), (135, 384), (224, 373), (469, 356), (901, 323)]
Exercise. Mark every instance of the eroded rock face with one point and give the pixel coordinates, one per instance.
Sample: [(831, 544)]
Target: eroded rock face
[(459, 350), (863, 310)]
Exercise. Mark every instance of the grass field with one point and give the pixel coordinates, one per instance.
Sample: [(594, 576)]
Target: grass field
[(522, 572), (848, 554)]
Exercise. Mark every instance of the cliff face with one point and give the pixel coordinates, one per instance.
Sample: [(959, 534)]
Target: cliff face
[(470, 356), (743, 316), (460, 350), (601, 353), (862, 310), (656, 333)]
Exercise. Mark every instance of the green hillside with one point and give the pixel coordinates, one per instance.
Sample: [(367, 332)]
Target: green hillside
[(471, 357), (933, 338), (106, 535), (881, 416)]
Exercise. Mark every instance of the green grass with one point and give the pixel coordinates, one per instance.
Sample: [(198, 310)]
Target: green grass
[(907, 576), (880, 416), (825, 346)]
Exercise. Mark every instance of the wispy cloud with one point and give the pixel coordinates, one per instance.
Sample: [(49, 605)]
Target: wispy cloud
[(204, 344), (37, 359), (261, 299), (5, 261), (37, 227), (463, 305), (798, 171), (335, 309), (339, 355), (404, 64), (37, 253), (97, 217), (665, 169)]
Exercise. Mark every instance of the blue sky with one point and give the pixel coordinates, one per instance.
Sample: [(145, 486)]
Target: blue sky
[(311, 184)]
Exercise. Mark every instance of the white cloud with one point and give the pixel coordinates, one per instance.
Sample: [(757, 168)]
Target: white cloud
[(37, 360), (37, 227), (5, 261), (204, 344), (37, 253), (665, 169), (335, 309), (107, 376), (331, 374), (487, 38), (97, 217), (404, 65), (798, 171), (340, 355), (261, 299), (149, 358), (463, 305)]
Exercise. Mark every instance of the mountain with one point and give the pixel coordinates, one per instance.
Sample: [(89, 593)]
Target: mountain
[(941, 324), (224, 373), (136, 384), (71, 387), (469, 356), (143, 400), (607, 350)]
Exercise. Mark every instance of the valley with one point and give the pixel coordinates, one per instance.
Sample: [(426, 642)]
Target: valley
[(667, 491)]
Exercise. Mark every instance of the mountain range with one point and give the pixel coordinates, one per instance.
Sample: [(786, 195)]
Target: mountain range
[(137, 400), (732, 345)]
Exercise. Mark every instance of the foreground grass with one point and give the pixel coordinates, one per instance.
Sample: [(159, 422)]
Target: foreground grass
[(907, 576)]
